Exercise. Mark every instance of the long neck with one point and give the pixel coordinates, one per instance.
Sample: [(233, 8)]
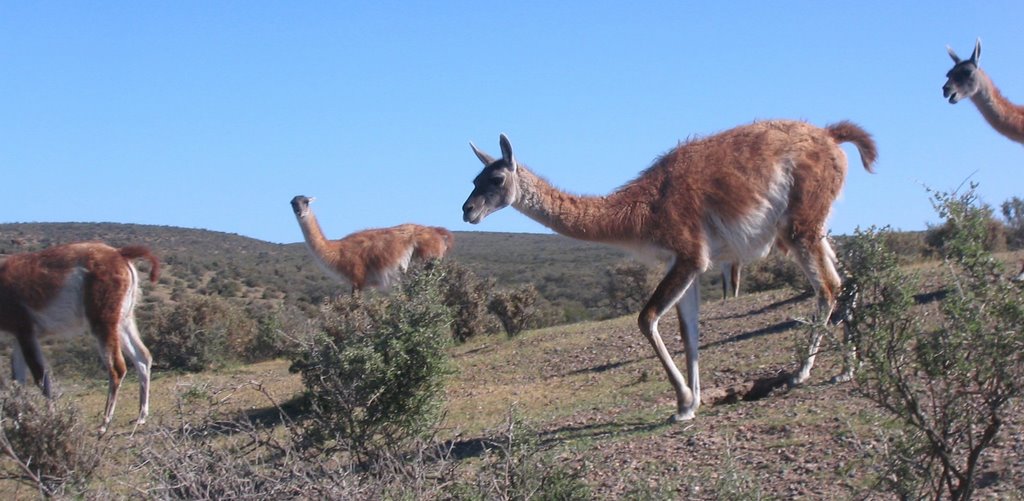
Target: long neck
[(618, 217), (315, 239), (332, 256), (1004, 116)]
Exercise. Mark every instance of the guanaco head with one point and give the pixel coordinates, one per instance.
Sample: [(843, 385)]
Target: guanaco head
[(300, 205), (963, 81), (496, 187)]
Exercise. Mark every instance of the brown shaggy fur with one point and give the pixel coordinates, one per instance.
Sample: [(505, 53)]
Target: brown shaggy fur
[(967, 80), (726, 197), (374, 257), (33, 283)]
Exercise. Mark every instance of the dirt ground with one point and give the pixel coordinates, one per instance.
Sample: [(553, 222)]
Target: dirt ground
[(602, 399)]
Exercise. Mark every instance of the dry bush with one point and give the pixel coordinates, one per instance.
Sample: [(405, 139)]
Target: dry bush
[(200, 333), (466, 295), (516, 466), (213, 454), (208, 449), (270, 340), (514, 308), (48, 445), (236, 461), (627, 287), (775, 271), (210, 454)]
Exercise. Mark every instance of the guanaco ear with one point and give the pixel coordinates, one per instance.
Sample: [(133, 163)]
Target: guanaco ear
[(506, 152), (485, 158), (977, 52), (952, 54)]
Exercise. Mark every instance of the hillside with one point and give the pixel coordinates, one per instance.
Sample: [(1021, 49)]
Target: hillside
[(193, 261), (594, 391), (598, 400), (567, 273)]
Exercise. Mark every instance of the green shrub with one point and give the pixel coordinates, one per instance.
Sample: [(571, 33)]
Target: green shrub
[(268, 339), (545, 313), (950, 383), (266, 335), (876, 297), (1013, 212), (991, 232), (374, 373)]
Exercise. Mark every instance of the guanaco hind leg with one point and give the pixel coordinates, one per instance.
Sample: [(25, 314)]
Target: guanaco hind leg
[(817, 261), (138, 354)]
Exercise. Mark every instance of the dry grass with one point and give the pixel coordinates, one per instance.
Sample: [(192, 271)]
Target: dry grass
[(168, 388)]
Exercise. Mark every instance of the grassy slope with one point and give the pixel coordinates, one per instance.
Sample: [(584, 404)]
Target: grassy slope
[(599, 397), (594, 390)]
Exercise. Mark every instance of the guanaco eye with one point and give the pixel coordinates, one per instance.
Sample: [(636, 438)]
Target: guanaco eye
[(497, 181)]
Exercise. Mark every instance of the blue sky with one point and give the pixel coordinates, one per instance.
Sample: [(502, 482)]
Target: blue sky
[(214, 114)]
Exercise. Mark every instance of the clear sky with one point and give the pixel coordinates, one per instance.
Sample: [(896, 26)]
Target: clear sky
[(214, 114)]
